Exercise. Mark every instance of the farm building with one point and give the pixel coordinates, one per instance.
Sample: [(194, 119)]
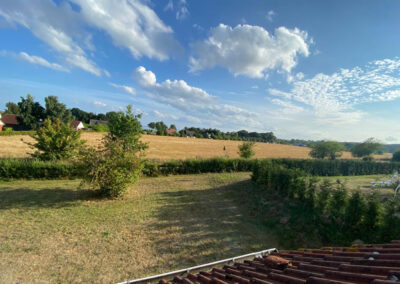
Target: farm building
[(171, 131), (10, 121), (94, 122), (77, 125)]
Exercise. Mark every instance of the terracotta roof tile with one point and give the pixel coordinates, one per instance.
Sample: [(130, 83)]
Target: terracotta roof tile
[(377, 264)]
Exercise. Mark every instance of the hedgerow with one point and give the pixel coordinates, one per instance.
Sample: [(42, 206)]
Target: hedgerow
[(329, 210), (34, 169)]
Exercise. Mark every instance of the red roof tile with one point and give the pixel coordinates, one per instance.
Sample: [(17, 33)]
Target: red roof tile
[(377, 264), (10, 119)]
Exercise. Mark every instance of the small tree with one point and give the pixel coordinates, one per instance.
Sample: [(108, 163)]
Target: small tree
[(327, 149), (117, 163), (396, 156), (246, 150), (366, 149), (55, 141)]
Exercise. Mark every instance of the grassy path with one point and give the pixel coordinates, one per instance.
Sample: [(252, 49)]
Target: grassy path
[(51, 231)]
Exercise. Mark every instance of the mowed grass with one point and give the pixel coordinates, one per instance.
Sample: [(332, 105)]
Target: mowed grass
[(363, 184), (167, 148), (54, 232)]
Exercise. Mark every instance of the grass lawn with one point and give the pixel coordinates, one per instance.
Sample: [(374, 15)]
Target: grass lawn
[(54, 232), (363, 183)]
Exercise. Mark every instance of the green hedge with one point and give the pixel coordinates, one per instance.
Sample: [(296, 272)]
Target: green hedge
[(15, 132), (32, 169), (339, 167), (329, 210)]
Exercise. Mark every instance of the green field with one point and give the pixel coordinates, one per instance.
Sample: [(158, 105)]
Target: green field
[(51, 231), (54, 231)]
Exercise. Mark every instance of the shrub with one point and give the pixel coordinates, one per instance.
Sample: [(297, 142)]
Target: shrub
[(246, 150), (55, 140), (100, 128), (117, 163)]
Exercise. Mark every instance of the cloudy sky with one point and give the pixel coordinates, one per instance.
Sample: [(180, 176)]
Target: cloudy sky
[(302, 69)]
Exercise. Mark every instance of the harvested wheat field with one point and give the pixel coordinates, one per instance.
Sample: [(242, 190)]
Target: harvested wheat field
[(167, 148)]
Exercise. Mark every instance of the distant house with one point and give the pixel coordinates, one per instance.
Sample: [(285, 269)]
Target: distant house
[(190, 133), (171, 131), (94, 122), (77, 125), (10, 121)]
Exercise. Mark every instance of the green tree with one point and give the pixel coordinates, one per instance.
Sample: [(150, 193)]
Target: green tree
[(31, 112), (117, 163), (173, 126), (159, 126), (366, 148), (396, 156), (246, 150), (327, 149), (12, 108), (55, 140), (57, 110)]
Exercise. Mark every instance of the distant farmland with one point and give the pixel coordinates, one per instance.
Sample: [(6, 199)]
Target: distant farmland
[(166, 148)]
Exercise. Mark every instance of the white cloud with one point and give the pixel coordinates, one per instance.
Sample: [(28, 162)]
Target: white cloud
[(287, 107), (130, 24), (335, 98), (183, 11), (250, 50), (99, 103), (128, 89), (169, 6), (270, 15), (33, 59), (193, 102)]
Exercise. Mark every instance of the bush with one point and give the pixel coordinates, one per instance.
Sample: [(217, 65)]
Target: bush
[(246, 150), (8, 131), (117, 163), (100, 128), (55, 140)]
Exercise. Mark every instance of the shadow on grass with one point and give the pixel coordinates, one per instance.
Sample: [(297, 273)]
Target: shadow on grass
[(43, 198), (212, 223)]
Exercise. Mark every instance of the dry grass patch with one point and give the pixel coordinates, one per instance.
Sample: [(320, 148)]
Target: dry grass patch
[(53, 232), (167, 148)]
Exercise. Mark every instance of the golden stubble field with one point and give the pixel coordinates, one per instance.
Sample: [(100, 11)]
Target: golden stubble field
[(167, 148)]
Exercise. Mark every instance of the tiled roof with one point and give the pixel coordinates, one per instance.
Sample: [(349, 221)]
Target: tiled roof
[(75, 123), (10, 119), (376, 264)]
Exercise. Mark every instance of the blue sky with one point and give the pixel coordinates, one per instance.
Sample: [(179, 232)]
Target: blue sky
[(302, 69)]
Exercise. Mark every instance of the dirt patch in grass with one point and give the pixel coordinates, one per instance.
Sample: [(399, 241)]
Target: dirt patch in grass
[(52, 231)]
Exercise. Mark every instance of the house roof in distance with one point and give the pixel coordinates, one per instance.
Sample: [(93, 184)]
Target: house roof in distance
[(10, 119), (75, 123), (376, 264)]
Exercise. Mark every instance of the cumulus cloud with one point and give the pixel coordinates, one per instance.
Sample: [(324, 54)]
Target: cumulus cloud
[(131, 24), (192, 101), (250, 50), (128, 89)]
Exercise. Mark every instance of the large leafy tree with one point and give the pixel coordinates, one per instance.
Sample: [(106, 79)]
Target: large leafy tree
[(159, 126), (366, 148), (327, 149), (55, 140), (31, 112), (12, 108), (396, 156), (57, 110)]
